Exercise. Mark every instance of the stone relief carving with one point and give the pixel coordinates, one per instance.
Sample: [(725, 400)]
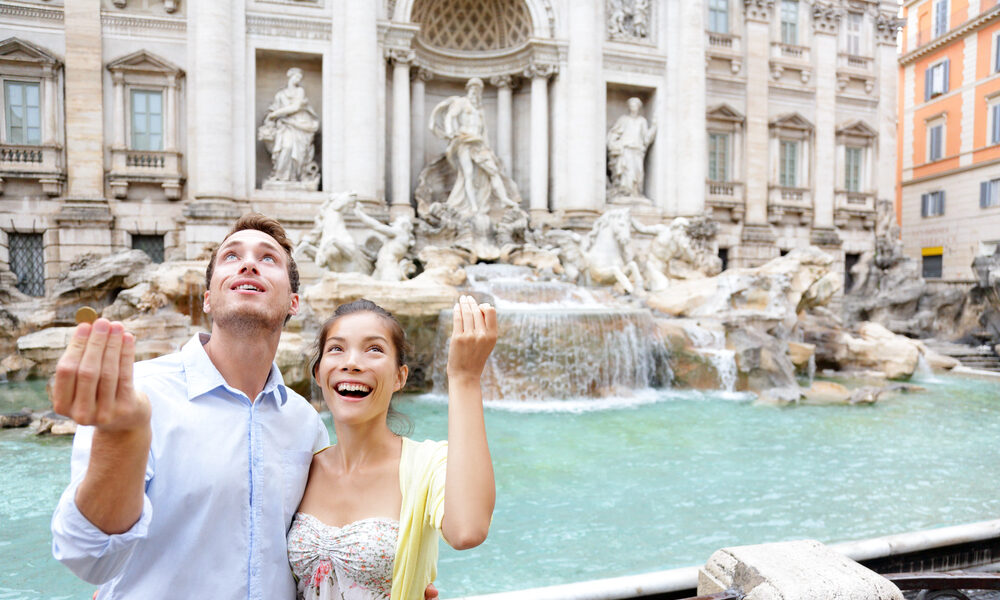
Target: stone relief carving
[(758, 10), (887, 27), (287, 132), (168, 5), (391, 262), (826, 17), (629, 20), (684, 249), (329, 244), (628, 140)]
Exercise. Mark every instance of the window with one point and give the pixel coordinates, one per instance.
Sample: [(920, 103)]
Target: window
[(850, 260), (935, 141), (852, 168), (152, 245), (718, 156), (936, 80), (932, 262), (147, 120), (940, 17), (932, 204), (996, 53), (22, 101), (994, 122), (27, 261), (718, 16), (989, 193), (854, 21), (790, 22), (724, 257), (787, 175)]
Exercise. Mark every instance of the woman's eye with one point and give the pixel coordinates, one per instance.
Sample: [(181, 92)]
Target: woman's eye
[(375, 349), (333, 348)]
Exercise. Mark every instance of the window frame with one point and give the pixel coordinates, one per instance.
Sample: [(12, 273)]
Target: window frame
[(130, 135), (932, 204), (7, 82), (935, 152), (14, 263), (931, 90), (714, 155), (989, 193), (791, 27), (783, 162), (857, 35), (858, 168), (717, 11), (940, 18)]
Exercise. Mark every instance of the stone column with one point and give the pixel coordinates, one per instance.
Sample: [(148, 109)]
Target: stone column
[(84, 220), (756, 238), (886, 27), (505, 123), (170, 115), (586, 98), (539, 192), (418, 124), (363, 75), (826, 23), (400, 59), (690, 150)]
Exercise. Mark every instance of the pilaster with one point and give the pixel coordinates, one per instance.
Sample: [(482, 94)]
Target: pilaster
[(363, 75), (826, 25), (418, 123), (886, 31), (505, 123), (585, 97), (691, 138), (758, 17), (401, 61), (539, 183)]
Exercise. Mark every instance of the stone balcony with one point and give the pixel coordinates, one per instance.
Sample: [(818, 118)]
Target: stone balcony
[(855, 68), (790, 57), (43, 164), (726, 47), (725, 200), (793, 202), (161, 167), (854, 210)]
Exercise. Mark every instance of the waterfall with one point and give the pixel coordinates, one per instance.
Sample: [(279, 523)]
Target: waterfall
[(724, 362), (924, 372), (556, 340), (811, 369)]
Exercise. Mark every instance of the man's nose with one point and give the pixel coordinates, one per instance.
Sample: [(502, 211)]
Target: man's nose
[(249, 264)]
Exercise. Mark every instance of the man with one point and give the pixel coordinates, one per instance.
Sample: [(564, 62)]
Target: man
[(184, 482)]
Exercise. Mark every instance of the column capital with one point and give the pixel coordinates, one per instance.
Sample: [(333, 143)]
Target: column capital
[(423, 74), (538, 69), (826, 17), (400, 56), (887, 27), (758, 10), (118, 77), (502, 81)]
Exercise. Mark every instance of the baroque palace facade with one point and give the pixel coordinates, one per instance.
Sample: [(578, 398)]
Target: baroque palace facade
[(949, 143), (134, 123)]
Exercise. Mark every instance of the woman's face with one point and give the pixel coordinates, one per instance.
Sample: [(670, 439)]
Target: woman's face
[(357, 368)]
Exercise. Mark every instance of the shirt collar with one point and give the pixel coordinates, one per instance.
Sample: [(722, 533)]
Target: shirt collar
[(203, 377)]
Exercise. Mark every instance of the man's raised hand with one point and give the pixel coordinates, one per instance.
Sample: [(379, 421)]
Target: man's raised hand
[(93, 380)]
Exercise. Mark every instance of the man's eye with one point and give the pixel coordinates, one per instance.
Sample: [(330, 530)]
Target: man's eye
[(230, 256), (267, 259)]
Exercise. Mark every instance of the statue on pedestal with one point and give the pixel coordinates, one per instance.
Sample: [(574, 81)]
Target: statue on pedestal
[(287, 132), (628, 140)]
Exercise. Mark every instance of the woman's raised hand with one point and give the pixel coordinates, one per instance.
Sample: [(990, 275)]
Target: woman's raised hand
[(473, 336)]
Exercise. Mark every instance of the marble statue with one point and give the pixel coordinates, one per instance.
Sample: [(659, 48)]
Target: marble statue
[(287, 132), (391, 263), (459, 120), (675, 254), (329, 244), (608, 254), (628, 140), (567, 246)]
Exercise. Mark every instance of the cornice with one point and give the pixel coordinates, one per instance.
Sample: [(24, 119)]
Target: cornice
[(309, 29), (31, 12), (131, 24), (969, 26)]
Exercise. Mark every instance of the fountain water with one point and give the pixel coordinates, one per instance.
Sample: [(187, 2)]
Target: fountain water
[(711, 344), (557, 340)]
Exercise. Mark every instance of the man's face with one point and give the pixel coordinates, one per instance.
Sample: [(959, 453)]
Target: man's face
[(249, 291)]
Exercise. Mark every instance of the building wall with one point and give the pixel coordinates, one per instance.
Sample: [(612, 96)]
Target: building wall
[(969, 158)]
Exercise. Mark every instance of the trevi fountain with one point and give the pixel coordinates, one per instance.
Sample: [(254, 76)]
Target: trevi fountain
[(645, 406)]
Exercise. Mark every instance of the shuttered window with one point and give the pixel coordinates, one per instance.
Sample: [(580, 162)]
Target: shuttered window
[(932, 204), (936, 79), (940, 17), (989, 193), (995, 123), (935, 142)]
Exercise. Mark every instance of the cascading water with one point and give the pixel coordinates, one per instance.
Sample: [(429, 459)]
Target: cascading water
[(811, 369), (710, 343), (557, 340)]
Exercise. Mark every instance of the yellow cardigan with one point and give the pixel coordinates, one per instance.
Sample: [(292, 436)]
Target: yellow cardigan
[(422, 468)]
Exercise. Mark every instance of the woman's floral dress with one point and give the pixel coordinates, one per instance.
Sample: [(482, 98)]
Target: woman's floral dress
[(353, 562)]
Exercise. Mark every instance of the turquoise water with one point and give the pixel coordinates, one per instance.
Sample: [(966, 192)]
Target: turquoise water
[(659, 483)]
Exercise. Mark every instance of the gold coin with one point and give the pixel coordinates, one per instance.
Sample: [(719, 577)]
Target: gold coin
[(85, 314)]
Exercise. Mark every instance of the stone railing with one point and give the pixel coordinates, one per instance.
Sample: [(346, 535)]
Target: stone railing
[(855, 62), (792, 201), (145, 166), (790, 52), (855, 201), (43, 164), (723, 41), (725, 200)]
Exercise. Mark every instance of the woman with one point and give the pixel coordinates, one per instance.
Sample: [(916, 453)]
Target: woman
[(375, 502)]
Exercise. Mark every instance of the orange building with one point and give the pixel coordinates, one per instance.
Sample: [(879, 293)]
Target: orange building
[(948, 159)]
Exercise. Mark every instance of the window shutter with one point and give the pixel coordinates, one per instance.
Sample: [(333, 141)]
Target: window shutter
[(995, 130), (984, 194), (928, 76), (944, 78), (941, 203), (996, 53), (923, 204)]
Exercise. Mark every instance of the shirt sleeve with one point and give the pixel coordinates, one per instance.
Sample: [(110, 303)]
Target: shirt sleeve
[(437, 469), (322, 439), (94, 556)]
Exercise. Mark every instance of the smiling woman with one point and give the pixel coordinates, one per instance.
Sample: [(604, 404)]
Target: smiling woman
[(374, 505)]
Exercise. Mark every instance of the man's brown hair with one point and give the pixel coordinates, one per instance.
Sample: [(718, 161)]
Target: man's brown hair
[(269, 226)]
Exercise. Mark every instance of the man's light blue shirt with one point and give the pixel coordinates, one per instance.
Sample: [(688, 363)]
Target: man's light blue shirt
[(223, 480)]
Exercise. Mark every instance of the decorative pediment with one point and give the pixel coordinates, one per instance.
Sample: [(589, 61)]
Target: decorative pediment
[(793, 121), (724, 112), (858, 129), (14, 50), (146, 63)]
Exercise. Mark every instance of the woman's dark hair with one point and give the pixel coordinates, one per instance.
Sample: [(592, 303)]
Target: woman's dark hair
[(399, 423)]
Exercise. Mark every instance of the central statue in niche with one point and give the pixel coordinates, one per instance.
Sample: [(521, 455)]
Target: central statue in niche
[(287, 132), (462, 194)]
